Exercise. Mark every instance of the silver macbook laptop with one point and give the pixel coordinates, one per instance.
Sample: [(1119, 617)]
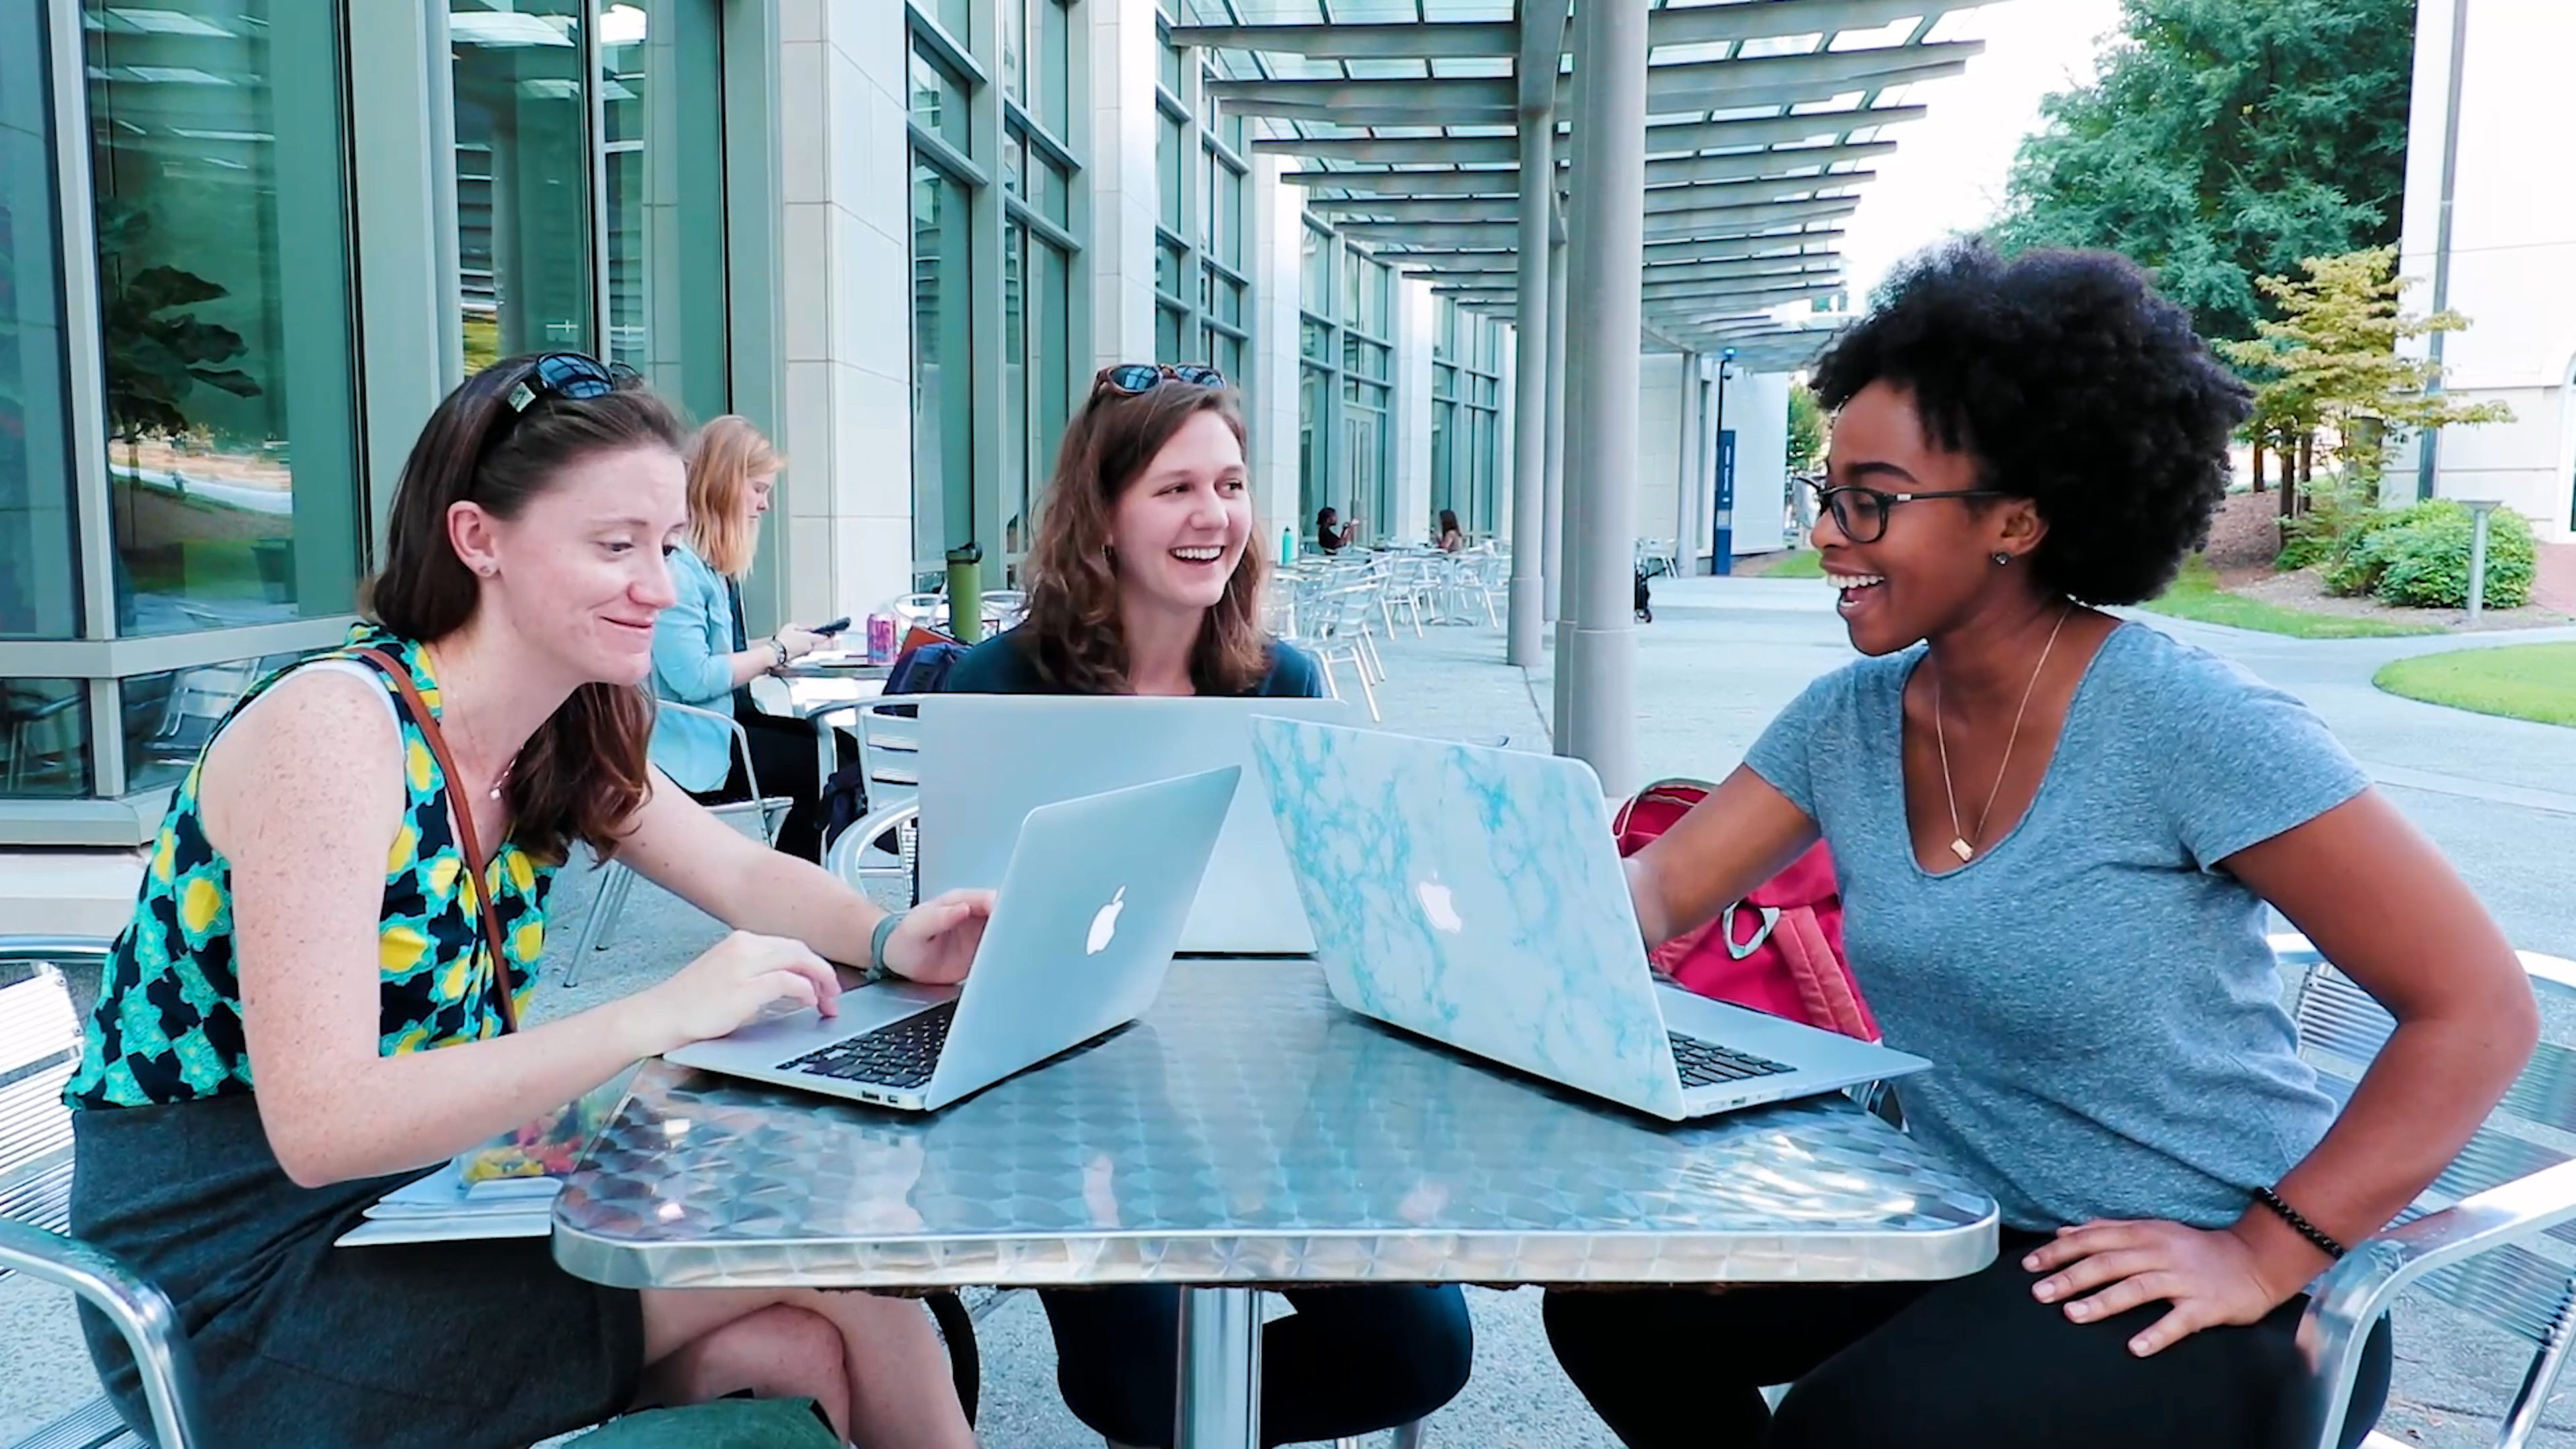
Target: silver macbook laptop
[(987, 760), (1475, 897), (1082, 932)]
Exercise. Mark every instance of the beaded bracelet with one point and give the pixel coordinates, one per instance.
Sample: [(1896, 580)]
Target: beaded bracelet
[(2308, 1230)]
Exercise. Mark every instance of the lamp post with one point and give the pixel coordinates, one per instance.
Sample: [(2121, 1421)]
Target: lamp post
[(2478, 508), (1722, 511)]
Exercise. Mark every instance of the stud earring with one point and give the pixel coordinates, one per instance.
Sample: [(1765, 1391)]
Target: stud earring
[(2002, 558)]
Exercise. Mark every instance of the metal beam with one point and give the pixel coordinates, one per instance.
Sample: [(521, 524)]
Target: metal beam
[(1702, 24), (1343, 40), (1695, 224), (1709, 85), (1774, 246), (1484, 275), (1506, 180), (1538, 59), (1812, 284), (1663, 140), (1659, 200)]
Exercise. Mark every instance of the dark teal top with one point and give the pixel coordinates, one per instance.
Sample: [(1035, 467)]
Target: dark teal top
[(1001, 665)]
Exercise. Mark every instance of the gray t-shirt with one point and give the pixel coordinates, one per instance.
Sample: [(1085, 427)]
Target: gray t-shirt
[(2095, 993)]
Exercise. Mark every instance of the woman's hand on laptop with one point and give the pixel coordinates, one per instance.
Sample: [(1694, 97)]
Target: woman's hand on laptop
[(734, 981), (937, 940)]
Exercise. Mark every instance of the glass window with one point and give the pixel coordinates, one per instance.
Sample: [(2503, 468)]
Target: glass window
[(1168, 159), (1014, 163), (1230, 219), (1315, 275), (1230, 126), (1314, 415), (44, 736), (1225, 354), (39, 549), (943, 438), (1016, 449), (1315, 340), (522, 178), (1170, 73), (222, 218), (1054, 70), (1015, 41), (1055, 191), (1167, 335), (1050, 367), (169, 718), (955, 17), (1167, 269), (939, 101), (660, 99)]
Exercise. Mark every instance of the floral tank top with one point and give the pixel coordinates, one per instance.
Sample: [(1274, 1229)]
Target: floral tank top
[(168, 1026)]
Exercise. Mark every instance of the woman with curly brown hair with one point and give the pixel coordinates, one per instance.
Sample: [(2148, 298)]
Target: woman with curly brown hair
[(1146, 578)]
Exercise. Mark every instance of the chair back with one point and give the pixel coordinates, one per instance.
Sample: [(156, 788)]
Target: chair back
[(2521, 1288), (889, 729), (40, 1047), (765, 812)]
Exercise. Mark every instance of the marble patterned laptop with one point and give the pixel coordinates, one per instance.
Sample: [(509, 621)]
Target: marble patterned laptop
[(1472, 896)]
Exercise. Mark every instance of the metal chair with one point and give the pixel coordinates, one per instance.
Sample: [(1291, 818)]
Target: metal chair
[(2495, 1235), (40, 1045), (1344, 637), (889, 731), (617, 879)]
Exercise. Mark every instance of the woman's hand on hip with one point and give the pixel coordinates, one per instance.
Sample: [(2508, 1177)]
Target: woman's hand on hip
[(733, 982), (2211, 1277), (937, 940)]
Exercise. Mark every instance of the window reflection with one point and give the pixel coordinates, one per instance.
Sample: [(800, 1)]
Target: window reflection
[(39, 580), (44, 738), (219, 174), (522, 177), (171, 717)]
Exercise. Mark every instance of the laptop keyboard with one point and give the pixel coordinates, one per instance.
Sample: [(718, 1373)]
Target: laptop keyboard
[(1706, 1064), (901, 1055)]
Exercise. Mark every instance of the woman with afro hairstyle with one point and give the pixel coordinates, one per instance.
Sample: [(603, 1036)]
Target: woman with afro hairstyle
[(2056, 835)]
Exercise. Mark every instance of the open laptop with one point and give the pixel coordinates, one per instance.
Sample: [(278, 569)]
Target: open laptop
[(987, 760), (1082, 932), (1476, 897)]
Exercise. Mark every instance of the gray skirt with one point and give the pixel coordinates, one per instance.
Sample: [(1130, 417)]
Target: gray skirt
[(297, 1343)]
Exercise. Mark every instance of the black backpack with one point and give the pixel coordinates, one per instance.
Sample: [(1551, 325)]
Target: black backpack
[(1645, 600)]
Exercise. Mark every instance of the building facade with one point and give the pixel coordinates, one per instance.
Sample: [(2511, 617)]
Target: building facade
[(246, 247), (2490, 232)]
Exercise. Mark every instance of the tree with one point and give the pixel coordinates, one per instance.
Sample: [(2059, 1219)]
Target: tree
[(2224, 141), (2329, 378), (1806, 430)]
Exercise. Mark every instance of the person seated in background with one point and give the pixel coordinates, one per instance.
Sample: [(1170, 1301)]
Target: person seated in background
[(1450, 537), (1331, 534), (2059, 836), (701, 656), (319, 996), (1145, 578)]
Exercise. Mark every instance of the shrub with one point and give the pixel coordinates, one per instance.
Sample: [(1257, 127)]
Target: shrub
[(2418, 557)]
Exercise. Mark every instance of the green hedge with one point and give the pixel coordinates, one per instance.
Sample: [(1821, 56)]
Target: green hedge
[(2418, 557)]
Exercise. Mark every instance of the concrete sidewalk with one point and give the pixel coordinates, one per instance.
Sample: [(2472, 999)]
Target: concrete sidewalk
[(1723, 656)]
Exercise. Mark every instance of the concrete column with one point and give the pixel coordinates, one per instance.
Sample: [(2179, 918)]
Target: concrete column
[(1581, 238), (1527, 642), (1552, 487), (1278, 230), (1605, 307), (1688, 481), (1125, 187)]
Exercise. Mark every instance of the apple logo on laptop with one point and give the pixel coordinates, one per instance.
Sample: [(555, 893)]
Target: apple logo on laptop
[(1104, 926), (1438, 908)]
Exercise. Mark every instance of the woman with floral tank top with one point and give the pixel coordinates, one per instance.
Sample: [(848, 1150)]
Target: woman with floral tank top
[(318, 998)]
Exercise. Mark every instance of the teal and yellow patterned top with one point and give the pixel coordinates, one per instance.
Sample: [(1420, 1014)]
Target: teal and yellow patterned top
[(168, 1024)]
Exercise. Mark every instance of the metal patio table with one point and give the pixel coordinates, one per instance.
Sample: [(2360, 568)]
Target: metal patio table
[(815, 692), (1249, 1133)]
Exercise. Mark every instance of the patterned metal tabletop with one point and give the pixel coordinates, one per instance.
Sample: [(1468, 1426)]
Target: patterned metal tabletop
[(1250, 1131)]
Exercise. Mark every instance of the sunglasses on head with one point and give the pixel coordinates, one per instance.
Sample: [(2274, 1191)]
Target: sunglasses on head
[(1135, 377), (575, 375)]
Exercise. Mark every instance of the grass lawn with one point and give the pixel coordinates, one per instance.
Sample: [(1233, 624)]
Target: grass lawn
[(1806, 563), (2197, 596), (2522, 681)]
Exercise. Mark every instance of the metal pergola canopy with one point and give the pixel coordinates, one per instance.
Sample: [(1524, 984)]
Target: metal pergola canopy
[(1763, 119)]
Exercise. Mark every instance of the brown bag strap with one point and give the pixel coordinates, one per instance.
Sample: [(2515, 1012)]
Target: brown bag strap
[(463, 815)]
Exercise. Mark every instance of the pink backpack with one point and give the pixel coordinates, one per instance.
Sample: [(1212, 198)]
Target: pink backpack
[(1779, 950)]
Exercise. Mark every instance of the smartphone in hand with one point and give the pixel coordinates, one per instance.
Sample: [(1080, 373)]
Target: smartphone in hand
[(835, 627)]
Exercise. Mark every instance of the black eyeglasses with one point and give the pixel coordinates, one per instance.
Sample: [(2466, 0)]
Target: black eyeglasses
[(1861, 513), (1132, 378)]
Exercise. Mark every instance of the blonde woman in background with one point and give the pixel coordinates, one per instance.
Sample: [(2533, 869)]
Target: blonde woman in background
[(702, 658)]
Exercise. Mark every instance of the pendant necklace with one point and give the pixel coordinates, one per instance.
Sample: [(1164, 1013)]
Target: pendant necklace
[(1959, 835)]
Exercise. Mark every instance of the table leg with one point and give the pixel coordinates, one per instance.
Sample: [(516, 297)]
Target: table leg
[(1220, 1369)]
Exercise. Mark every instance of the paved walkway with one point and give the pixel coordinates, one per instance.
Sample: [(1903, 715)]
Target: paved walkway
[(2499, 796)]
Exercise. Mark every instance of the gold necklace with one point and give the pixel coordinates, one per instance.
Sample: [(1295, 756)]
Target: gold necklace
[(1959, 845), (501, 781)]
